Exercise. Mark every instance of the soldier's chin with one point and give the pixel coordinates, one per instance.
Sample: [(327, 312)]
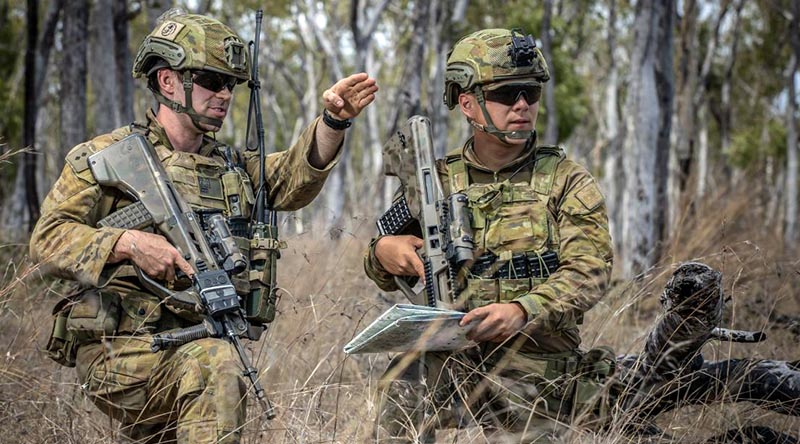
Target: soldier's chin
[(210, 128), (514, 141)]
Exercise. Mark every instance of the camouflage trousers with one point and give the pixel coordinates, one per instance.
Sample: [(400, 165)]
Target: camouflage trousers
[(192, 394), (512, 398)]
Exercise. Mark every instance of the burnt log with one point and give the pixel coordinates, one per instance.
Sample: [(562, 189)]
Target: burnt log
[(671, 372)]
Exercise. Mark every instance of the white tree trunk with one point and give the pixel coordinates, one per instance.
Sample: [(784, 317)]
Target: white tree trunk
[(613, 176), (790, 220), (644, 124)]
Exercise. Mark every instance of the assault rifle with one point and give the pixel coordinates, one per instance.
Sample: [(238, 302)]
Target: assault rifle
[(445, 224), (133, 166)]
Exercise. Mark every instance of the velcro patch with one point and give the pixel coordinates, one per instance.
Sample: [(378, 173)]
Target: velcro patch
[(590, 196), (78, 158), (168, 30)]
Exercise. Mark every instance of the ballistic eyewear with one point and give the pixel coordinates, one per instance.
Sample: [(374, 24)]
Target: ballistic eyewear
[(510, 94), (214, 81)]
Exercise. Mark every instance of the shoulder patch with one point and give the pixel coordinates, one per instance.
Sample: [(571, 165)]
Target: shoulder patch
[(590, 196), (78, 158)]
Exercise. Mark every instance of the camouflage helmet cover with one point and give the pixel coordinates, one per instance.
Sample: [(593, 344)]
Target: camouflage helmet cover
[(193, 42), (487, 56)]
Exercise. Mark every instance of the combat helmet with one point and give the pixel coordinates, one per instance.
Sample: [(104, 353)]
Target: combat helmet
[(190, 42), (488, 58)]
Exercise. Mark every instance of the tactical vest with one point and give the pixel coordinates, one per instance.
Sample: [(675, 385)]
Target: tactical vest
[(512, 223), (219, 183)]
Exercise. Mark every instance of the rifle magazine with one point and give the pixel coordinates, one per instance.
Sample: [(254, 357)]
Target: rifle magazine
[(396, 219)]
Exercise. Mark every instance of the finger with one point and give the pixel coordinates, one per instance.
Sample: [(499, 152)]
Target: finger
[(366, 101), (477, 313), (353, 79), (417, 242), (169, 274), (419, 268), (184, 266), (331, 99)]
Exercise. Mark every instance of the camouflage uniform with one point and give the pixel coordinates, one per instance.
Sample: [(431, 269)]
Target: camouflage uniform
[(539, 204), (195, 393)]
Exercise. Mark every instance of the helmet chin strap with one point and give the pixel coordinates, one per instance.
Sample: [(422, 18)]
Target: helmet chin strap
[(196, 118), (503, 136)]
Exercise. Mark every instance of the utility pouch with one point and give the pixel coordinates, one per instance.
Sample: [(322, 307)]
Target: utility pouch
[(259, 306), (94, 315), (61, 347), (590, 399)]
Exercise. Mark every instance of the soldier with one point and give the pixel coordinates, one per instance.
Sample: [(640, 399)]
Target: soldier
[(543, 258), (195, 393)]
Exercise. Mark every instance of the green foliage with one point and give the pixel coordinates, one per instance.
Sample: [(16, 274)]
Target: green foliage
[(753, 143), (12, 96), (572, 102)]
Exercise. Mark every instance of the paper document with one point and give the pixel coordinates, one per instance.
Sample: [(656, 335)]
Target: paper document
[(406, 327)]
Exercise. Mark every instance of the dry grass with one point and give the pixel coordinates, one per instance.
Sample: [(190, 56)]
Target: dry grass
[(323, 395)]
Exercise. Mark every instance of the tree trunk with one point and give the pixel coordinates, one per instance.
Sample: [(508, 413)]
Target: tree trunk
[(647, 135), (551, 132), (105, 109), (790, 222), (73, 76), (614, 176), (122, 54), (665, 90), (681, 156), (31, 108), (21, 208), (725, 123)]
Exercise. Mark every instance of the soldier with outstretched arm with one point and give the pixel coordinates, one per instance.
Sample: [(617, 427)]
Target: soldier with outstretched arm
[(195, 392), (543, 258)]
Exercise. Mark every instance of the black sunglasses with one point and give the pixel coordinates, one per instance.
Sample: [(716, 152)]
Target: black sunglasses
[(214, 81), (510, 94)]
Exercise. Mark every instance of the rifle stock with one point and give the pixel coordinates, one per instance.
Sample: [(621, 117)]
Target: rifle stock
[(446, 233)]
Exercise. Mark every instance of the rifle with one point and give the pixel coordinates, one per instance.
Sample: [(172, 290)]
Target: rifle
[(133, 166), (446, 230)]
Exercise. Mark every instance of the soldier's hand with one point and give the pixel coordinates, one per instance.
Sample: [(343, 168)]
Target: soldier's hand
[(495, 322), (152, 253), (347, 97), (398, 255)]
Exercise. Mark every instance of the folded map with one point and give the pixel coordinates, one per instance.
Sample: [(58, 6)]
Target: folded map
[(406, 327)]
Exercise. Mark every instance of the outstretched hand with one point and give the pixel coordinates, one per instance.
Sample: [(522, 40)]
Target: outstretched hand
[(495, 322), (349, 96), (152, 253)]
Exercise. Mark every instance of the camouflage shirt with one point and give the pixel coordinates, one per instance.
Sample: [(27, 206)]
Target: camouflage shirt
[(579, 225), (66, 239)]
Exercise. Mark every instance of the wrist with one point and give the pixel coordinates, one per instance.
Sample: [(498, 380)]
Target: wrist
[(334, 123)]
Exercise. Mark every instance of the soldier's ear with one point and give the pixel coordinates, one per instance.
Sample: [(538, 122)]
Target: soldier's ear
[(467, 104), (167, 81)]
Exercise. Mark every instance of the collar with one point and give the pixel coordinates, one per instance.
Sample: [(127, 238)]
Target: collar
[(158, 135), (471, 159)]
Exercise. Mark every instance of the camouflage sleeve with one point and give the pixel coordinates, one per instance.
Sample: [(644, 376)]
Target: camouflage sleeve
[(586, 252), (293, 182), (375, 271), (65, 240)]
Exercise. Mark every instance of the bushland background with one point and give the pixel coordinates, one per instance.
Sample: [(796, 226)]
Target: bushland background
[(685, 111)]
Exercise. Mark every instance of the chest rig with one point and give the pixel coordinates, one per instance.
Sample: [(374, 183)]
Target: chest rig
[(215, 182), (514, 231)]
